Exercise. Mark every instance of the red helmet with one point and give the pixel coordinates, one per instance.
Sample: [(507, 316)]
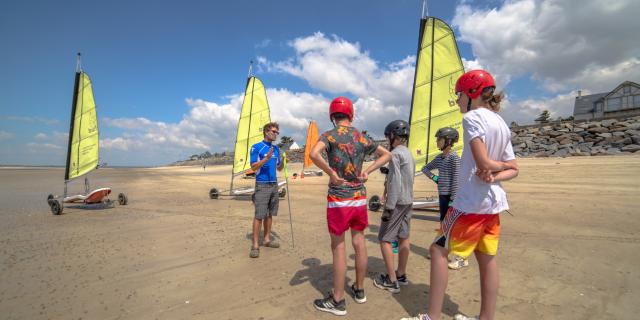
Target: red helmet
[(473, 82), (341, 105)]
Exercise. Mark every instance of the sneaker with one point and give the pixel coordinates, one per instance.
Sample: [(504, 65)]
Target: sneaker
[(418, 317), (382, 281), (463, 317), (402, 280), (330, 305), (458, 263), (358, 294)]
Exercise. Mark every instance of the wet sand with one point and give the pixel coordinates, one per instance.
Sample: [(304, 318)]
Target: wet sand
[(570, 250)]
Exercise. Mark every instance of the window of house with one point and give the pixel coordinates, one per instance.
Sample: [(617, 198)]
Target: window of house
[(626, 90), (636, 101), (614, 104)]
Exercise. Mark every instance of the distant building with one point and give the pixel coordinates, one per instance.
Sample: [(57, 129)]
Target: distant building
[(290, 146), (622, 101)]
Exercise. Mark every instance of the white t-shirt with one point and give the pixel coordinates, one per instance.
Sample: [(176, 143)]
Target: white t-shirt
[(475, 195)]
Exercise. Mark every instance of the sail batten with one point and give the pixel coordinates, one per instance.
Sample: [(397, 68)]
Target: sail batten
[(433, 100)]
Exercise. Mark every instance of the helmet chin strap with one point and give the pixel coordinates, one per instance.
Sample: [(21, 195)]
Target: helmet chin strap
[(469, 104)]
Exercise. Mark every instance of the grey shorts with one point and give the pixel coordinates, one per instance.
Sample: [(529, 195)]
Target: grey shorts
[(398, 225), (265, 199)]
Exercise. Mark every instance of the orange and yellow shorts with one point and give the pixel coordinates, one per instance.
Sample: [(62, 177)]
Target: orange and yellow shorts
[(463, 233)]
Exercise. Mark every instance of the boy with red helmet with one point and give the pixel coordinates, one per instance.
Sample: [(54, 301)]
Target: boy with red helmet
[(346, 148), (472, 224)]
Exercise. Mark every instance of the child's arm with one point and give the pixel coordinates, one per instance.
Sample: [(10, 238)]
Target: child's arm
[(483, 162), (430, 166), (503, 175), (382, 157), (317, 159)]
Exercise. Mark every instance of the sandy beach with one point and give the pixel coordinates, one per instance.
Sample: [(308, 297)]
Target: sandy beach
[(570, 250)]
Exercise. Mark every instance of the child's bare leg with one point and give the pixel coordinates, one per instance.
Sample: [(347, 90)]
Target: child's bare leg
[(360, 247), (339, 265), (488, 284), (403, 255), (268, 221), (438, 278), (387, 255)]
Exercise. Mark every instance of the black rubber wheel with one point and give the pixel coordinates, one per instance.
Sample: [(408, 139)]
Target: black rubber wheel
[(122, 199), (213, 193), (56, 207), (282, 193), (320, 173), (49, 197), (374, 203)]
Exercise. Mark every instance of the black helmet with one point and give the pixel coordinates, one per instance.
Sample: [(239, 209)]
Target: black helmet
[(397, 128), (448, 133)]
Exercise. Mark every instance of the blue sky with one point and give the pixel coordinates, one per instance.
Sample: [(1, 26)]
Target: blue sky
[(168, 76)]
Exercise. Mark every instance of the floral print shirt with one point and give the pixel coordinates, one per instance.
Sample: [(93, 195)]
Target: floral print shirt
[(346, 149)]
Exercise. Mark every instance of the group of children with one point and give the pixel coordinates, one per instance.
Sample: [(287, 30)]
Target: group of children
[(470, 197)]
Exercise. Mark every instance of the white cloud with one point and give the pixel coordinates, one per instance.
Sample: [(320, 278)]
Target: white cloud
[(263, 44), (39, 147), (526, 111), (46, 121), (565, 44), (4, 135), (336, 66), (41, 136)]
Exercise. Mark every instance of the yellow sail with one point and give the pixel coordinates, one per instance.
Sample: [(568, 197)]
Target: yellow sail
[(253, 116), (82, 153), (433, 103), (312, 138)]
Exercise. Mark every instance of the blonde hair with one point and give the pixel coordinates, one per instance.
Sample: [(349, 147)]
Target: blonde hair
[(491, 99)]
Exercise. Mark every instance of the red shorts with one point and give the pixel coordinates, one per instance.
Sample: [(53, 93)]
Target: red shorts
[(345, 213)]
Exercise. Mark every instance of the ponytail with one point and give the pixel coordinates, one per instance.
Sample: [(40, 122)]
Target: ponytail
[(491, 99)]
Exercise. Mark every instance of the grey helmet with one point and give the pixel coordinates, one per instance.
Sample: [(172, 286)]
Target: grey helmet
[(398, 128), (450, 136)]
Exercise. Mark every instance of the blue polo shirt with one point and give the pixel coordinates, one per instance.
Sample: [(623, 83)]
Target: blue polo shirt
[(267, 173)]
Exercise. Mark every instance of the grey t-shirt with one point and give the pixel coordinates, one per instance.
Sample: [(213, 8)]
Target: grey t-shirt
[(398, 185)]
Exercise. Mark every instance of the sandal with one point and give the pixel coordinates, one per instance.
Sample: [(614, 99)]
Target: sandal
[(254, 253), (272, 244)]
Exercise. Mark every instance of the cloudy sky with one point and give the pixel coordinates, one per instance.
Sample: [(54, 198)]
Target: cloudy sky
[(169, 78)]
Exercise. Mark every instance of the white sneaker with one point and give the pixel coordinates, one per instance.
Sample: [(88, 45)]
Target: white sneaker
[(458, 263), (463, 317), (418, 317)]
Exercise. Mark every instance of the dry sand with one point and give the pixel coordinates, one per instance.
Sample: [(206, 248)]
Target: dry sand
[(571, 250)]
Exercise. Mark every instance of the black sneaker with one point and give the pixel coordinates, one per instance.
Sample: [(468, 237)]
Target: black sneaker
[(330, 305), (382, 281), (358, 294), (402, 280)]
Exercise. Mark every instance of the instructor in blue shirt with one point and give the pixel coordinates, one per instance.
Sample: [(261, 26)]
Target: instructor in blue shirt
[(265, 159)]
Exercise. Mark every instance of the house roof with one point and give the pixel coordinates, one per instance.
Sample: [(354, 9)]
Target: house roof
[(631, 83), (584, 104)]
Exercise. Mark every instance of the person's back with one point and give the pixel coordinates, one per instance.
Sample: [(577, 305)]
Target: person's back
[(401, 169), (346, 149)]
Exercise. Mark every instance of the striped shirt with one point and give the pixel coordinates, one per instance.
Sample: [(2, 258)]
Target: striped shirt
[(448, 169)]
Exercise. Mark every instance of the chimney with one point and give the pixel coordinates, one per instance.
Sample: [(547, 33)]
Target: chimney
[(579, 93)]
